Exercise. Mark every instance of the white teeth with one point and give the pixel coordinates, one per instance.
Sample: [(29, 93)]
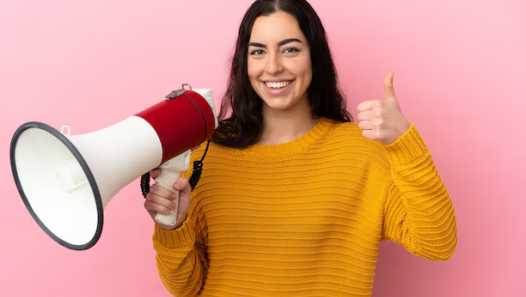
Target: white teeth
[(277, 85)]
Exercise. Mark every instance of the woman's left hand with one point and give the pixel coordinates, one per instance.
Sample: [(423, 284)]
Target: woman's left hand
[(383, 120)]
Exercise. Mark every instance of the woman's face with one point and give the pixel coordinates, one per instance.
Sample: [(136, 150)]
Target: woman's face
[(279, 65)]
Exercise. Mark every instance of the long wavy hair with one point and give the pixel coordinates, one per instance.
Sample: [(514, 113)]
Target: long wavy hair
[(244, 126)]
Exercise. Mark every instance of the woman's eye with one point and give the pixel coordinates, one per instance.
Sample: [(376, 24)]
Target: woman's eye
[(291, 50), (256, 52)]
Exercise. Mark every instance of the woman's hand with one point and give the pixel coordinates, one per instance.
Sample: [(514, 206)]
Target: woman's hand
[(383, 120), (161, 200)]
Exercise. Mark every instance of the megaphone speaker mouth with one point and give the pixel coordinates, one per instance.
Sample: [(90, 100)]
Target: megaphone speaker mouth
[(57, 185)]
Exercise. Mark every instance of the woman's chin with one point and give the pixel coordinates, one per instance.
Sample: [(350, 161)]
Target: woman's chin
[(276, 105)]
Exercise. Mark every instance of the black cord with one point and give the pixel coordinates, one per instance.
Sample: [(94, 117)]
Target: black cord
[(194, 178), (145, 184)]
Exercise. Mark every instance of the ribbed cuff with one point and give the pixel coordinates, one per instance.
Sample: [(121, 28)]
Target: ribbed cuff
[(407, 148), (177, 238)]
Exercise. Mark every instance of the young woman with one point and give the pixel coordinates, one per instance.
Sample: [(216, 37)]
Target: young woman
[(295, 197)]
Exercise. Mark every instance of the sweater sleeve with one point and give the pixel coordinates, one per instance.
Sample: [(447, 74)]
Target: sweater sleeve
[(181, 257), (418, 211)]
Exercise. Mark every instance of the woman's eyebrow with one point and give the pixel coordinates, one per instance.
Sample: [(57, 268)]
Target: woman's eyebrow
[(281, 43)]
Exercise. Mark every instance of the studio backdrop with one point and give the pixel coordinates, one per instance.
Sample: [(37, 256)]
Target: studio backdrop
[(460, 76)]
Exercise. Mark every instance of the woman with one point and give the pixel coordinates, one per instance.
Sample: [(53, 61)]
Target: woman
[(295, 197)]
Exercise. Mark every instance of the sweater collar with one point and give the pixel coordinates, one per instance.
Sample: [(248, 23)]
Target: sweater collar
[(293, 147)]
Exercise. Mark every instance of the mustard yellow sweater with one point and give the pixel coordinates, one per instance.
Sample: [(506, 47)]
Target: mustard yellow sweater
[(305, 218)]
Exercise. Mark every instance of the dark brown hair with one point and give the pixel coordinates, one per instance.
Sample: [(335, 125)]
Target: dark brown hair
[(245, 124)]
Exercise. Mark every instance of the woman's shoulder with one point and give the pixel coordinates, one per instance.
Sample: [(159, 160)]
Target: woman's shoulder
[(210, 151), (347, 137), (349, 131), (341, 127)]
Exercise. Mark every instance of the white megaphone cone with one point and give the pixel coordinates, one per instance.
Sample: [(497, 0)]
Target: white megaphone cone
[(66, 180)]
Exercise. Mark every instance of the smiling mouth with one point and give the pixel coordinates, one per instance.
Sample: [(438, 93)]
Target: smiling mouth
[(278, 85)]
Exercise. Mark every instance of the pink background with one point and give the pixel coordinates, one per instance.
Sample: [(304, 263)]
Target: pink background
[(460, 77)]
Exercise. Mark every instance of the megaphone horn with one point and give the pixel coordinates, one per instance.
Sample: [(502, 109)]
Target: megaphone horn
[(66, 180)]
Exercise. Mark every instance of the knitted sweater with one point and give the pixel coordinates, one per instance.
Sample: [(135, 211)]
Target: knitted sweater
[(305, 218)]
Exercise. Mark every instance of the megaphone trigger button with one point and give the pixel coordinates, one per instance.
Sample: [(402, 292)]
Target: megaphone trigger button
[(175, 94)]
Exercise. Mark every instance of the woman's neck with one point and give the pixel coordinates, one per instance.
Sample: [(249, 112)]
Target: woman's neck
[(281, 126)]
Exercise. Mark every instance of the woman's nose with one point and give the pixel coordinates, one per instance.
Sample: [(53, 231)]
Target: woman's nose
[(274, 64)]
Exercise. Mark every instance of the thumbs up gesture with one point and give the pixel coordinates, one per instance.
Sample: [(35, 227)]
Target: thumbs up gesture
[(382, 120)]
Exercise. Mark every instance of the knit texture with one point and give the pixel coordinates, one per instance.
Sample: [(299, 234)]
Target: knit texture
[(305, 218)]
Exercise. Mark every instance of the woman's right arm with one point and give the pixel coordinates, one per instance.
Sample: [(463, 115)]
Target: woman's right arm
[(181, 252), (181, 258)]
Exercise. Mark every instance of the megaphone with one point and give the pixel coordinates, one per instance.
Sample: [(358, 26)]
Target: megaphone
[(67, 180)]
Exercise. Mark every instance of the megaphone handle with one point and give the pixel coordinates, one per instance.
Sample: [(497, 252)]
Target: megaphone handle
[(166, 179), (171, 170)]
